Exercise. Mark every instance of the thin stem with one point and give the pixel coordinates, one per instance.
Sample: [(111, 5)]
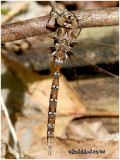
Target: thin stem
[(12, 130), (16, 10)]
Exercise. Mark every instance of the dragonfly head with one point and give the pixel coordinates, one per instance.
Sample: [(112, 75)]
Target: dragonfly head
[(67, 19)]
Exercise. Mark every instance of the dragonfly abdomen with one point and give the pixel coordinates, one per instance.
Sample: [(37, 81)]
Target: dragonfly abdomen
[(59, 58)]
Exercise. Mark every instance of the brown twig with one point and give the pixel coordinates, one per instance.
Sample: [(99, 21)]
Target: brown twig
[(98, 18), (23, 29), (15, 11), (79, 115), (37, 26), (96, 114)]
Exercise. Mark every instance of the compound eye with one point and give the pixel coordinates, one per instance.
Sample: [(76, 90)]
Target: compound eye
[(66, 17), (72, 18)]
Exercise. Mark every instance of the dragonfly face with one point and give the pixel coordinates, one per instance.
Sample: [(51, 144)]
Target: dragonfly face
[(67, 19)]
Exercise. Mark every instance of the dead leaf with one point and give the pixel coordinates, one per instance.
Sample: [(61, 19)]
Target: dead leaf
[(95, 130), (61, 149), (68, 99)]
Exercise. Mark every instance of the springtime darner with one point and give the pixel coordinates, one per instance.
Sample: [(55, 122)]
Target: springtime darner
[(79, 54)]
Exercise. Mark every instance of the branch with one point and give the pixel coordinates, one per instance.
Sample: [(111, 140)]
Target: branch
[(98, 18), (23, 29), (37, 26)]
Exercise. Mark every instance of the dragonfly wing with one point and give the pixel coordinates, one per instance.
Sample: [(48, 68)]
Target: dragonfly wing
[(96, 53), (35, 59), (33, 53), (83, 59), (42, 41), (98, 92)]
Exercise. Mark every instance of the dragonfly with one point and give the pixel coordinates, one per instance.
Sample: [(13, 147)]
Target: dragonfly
[(64, 50)]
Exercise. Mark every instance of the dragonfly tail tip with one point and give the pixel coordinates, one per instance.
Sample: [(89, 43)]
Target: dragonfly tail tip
[(49, 151)]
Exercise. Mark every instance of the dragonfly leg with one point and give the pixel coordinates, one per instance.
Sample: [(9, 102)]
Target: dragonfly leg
[(49, 25), (79, 32)]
